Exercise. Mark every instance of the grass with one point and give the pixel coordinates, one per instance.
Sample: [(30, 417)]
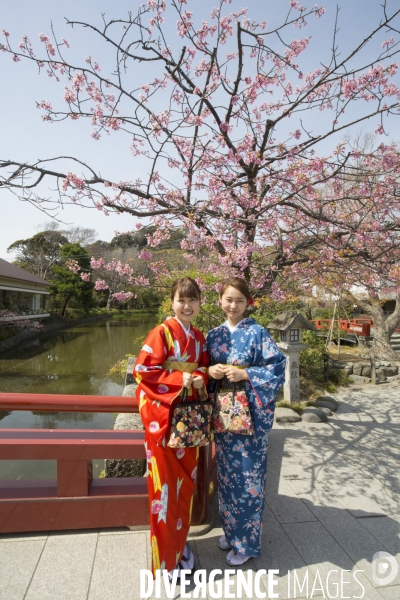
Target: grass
[(119, 369), (347, 353), (310, 388), (331, 387), (296, 406)]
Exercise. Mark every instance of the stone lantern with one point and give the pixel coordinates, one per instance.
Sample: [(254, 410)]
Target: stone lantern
[(290, 325)]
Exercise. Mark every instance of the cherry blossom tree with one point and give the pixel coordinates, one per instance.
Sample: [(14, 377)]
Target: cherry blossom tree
[(234, 126), (353, 250), (112, 276)]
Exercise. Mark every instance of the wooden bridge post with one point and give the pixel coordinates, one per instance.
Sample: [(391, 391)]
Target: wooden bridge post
[(74, 477)]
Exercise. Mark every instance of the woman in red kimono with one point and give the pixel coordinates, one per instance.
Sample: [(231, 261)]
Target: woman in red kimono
[(173, 357)]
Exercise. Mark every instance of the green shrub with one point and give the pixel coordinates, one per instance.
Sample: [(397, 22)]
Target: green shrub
[(119, 369), (8, 332), (338, 377), (330, 387), (296, 406)]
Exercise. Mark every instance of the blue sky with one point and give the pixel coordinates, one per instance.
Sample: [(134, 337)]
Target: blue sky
[(25, 137)]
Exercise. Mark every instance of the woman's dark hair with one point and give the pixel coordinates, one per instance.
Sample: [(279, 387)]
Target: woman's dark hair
[(238, 283), (186, 288)]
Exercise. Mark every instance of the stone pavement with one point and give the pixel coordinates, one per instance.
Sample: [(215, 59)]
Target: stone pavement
[(332, 503)]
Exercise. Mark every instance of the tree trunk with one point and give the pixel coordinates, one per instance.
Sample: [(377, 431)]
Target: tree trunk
[(109, 299), (373, 369), (65, 305), (383, 330)]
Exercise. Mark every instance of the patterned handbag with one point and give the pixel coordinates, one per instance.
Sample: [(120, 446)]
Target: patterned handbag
[(231, 410), (191, 423)]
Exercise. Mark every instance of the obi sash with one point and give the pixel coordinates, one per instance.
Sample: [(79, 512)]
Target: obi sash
[(183, 367), (186, 367), (224, 385)]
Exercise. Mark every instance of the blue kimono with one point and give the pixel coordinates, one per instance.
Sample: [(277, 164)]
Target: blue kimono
[(242, 459)]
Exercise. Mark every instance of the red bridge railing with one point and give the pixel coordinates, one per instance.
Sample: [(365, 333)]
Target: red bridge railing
[(75, 500), (361, 326), (357, 326)]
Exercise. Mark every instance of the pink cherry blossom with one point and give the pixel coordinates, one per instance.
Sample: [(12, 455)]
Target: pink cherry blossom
[(69, 96), (388, 43), (100, 284), (123, 296)]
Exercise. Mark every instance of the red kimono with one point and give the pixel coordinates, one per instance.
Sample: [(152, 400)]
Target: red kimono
[(171, 473)]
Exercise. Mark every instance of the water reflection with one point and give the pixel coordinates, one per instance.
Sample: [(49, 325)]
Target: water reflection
[(75, 361)]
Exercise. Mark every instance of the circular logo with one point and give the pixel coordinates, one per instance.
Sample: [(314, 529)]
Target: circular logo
[(384, 568)]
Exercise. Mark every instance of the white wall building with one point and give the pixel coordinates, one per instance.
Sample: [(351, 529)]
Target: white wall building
[(21, 293)]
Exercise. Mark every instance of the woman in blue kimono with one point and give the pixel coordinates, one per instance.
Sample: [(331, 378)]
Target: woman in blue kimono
[(242, 459)]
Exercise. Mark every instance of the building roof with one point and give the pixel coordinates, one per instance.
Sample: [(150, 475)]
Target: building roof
[(13, 272), (290, 320)]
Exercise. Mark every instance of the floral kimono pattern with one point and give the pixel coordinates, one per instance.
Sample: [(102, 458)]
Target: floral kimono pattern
[(167, 352), (242, 459)]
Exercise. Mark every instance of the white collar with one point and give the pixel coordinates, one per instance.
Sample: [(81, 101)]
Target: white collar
[(231, 328), (186, 330)]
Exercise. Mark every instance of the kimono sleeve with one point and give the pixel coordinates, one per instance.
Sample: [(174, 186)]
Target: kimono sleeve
[(204, 359), (155, 381), (203, 362), (267, 373)]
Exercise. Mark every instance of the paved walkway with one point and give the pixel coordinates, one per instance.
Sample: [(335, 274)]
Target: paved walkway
[(332, 503)]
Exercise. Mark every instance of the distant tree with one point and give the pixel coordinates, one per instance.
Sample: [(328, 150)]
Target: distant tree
[(124, 240), (39, 253), (75, 235), (67, 283), (147, 297), (114, 277), (80, 235), (109, 274), (140, 238), (97, 248)]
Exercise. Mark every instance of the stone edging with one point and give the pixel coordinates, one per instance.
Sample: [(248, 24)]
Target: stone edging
[(10, 343), (126, 467), (360, 372), (326, 405)]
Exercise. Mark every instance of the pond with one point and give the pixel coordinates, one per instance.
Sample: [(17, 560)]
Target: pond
[(74, 361)]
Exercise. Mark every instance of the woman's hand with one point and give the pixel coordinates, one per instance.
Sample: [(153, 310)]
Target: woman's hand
[(187, 380), (235, 374), (198, 382), (217, 371)]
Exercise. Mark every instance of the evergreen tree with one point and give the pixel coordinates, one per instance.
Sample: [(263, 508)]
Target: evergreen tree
[(68, 284)]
